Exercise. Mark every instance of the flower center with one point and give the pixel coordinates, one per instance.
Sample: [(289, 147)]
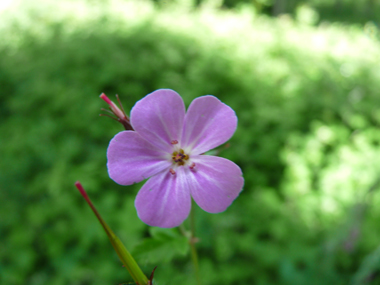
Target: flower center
[(180, 157)]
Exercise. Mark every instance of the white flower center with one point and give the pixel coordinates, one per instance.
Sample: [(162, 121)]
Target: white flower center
[(180, 158)]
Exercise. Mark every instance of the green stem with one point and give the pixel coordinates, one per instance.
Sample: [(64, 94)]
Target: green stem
[(192, 241), (124, 255)]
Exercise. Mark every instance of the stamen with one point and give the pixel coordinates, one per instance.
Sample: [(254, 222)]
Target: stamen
[(180, 157), (172, 171)]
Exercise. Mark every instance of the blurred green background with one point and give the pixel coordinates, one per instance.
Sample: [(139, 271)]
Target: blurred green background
[(303, 77)]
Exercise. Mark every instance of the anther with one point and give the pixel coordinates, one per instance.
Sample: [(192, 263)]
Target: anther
[(172, 171), (180, 157), (174, 142)]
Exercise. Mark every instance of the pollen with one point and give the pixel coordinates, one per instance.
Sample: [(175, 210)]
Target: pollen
[(180, 157)]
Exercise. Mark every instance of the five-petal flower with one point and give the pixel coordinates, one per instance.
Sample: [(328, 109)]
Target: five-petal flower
[(167, 146)]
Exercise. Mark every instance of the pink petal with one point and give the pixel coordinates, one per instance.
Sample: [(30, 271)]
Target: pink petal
[(164, 201), (215, 182), (158, 118), (132, 159), (208, 124)]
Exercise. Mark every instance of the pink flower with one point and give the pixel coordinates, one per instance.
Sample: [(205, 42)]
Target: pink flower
[(167, 146)]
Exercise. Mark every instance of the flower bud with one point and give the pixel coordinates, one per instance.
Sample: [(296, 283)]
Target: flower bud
[(121, 117)]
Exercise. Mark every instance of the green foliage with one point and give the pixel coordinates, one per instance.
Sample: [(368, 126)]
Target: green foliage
[(307, 142), (161, 247), (368, 269), (347, 11)]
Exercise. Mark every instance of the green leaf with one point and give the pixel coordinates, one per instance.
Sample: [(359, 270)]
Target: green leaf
[(162, 247), (368, 269)]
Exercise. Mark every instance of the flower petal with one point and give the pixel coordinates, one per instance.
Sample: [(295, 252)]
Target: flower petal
[(215, 182), (158, 118), (164, 200), (208, 124), (132, 159)]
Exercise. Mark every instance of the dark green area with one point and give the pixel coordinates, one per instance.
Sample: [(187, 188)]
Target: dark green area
[(347, 11), (307, 142)]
